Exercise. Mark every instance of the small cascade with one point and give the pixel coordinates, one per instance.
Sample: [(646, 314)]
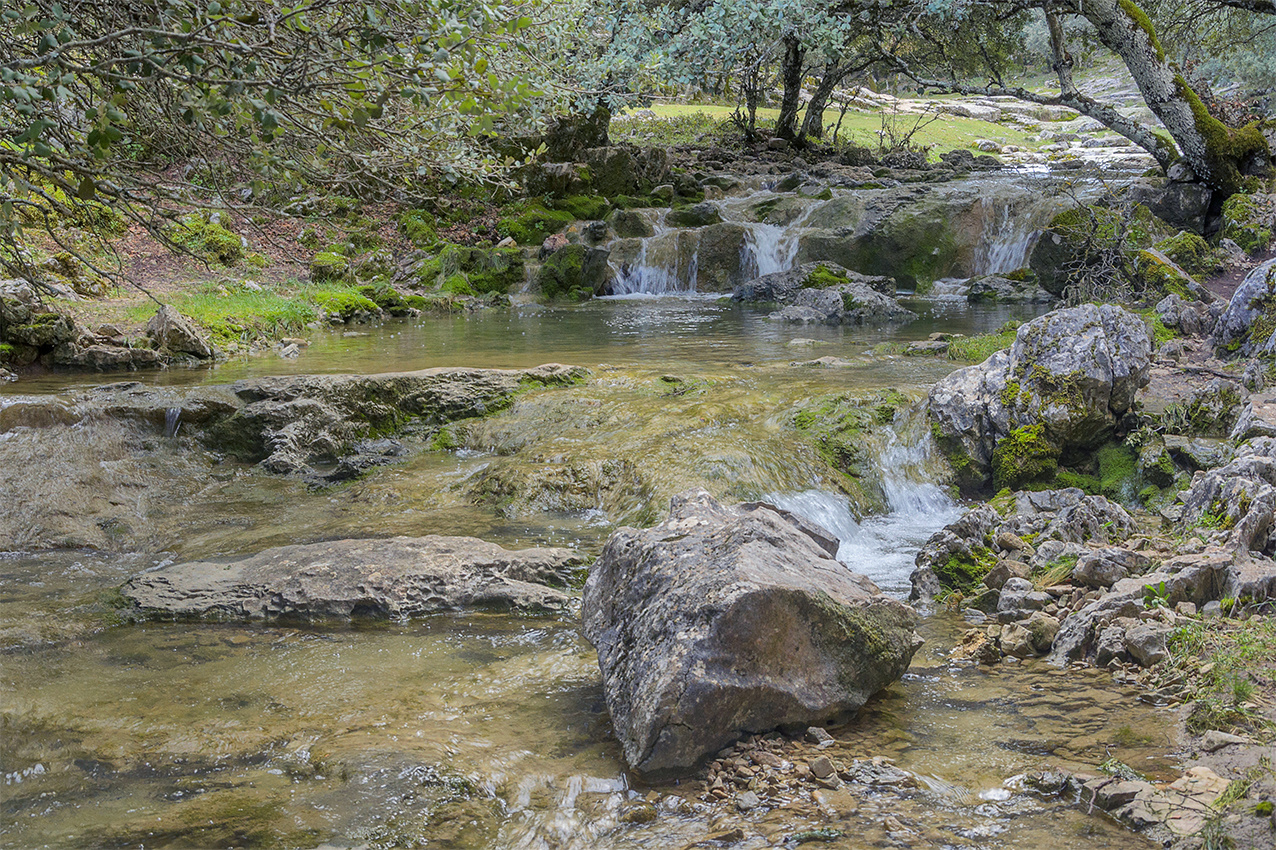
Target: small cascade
[(884, 547), (172, 421), (949, 289), (771, 248), (662, 266), (1007, 242), (768, 248)]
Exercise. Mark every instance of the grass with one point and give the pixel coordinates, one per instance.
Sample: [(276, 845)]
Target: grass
[(978, 348), (1223, 662), (678, 123), (234, 314)]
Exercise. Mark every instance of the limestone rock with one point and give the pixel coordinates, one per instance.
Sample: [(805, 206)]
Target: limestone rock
[(826, 293), (1248, 325), (1105, 567), (394, 578), (722, 621), (171, 331), (1146, 643), (1061, 521), (1065, 383)]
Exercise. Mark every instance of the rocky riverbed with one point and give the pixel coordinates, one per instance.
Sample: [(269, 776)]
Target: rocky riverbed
[(349, 671)]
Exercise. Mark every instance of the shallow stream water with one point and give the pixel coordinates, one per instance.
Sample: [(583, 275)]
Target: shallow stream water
[(487, 730)]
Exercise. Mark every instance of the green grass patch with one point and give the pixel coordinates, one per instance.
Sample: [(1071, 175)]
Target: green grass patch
[(1223, 662), (678, 123), (978, 348), (239, 315)]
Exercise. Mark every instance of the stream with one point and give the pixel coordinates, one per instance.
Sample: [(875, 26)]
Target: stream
[(483, 730)]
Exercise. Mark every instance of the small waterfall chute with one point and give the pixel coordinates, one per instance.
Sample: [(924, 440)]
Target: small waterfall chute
[(884, 547)]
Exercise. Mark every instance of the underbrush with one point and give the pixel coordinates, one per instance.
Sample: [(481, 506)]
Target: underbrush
[(1227, 667)]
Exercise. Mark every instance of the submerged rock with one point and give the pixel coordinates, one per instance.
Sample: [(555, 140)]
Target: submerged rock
[(395, 578), (722, 621), (1066, 383)]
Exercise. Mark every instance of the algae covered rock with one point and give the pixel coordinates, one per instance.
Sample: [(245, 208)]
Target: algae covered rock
[(394, 578), (1065, 383), (722, 621)]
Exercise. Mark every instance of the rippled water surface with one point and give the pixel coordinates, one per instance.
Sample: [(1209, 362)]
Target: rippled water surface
[(488, 730)]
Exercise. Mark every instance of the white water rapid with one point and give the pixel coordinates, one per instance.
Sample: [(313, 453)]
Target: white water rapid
[(883, 547)]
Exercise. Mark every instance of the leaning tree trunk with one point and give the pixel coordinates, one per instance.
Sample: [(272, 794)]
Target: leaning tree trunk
[(791, 74), (1214, 150), (813, 123)]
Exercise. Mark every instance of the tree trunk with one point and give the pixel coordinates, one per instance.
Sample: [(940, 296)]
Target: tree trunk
[(1214, 150), (813, 123), (791, 74)]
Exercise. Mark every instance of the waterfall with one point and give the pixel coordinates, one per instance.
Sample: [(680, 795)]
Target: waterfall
[(771, 248), (768, 248), (172, 421), (884, 547), (1006, 244)]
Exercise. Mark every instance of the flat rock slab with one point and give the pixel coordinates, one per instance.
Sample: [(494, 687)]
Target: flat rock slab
[(395, 578)]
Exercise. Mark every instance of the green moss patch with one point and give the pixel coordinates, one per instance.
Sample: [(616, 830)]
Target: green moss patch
[(329, 266), (1024, 455), (562, 276), (584, 207), (822, 277), (979, 347), (204, 236), (1245, 223), (530, 224)]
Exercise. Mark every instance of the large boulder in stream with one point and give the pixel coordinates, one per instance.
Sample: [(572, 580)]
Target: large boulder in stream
[(722, 621), (1066, 383), (393, 578), (826, 293)]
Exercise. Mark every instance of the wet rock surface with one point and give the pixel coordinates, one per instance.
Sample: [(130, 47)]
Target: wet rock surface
[(395, 578), (322, 427), (826, 293), (723, 621)]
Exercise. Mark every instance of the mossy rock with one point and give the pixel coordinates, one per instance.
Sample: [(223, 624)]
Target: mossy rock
[(584, 207), (822, 277), (1248, 221), (327, 266), (532, 224), (204, 236), (964, 573), (629, 225), (696, 215), (484, 270), (386, 297), (1190, 252), (1086, 234), (1161, 274), (1023, 456), (344, 302), (572, 273)]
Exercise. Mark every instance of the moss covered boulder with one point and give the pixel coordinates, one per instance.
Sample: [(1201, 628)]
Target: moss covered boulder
[(1089, 235), (1249, 220), (1066, 384), (572, 273)]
